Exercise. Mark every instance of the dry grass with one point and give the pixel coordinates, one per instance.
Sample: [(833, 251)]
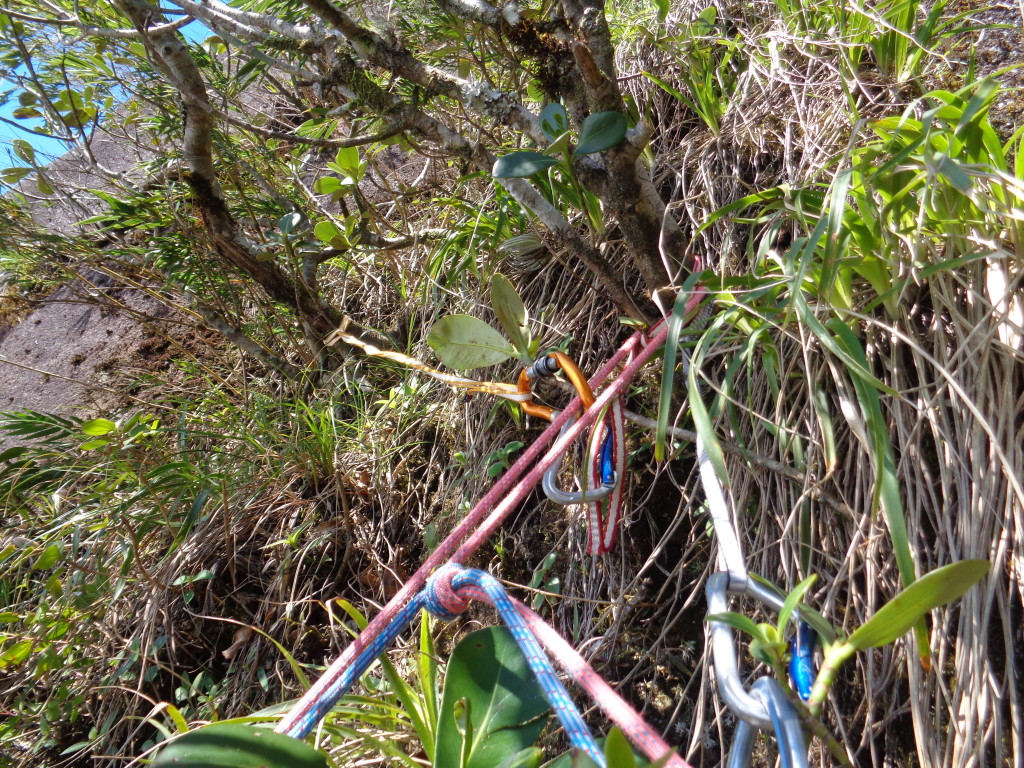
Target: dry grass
[(305, 526)]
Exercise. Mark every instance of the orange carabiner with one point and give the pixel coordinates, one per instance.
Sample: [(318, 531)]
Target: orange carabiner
[(529, 407), (577, 378), (572, 372)]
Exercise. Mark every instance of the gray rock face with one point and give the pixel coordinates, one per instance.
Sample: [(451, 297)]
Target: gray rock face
[(61, 359)]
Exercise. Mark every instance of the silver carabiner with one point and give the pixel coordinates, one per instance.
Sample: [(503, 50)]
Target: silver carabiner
[(747, 708), (550, 484), (765, 706), (785, 722)]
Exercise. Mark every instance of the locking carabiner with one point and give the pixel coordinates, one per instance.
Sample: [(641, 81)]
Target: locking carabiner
[(548, 365)]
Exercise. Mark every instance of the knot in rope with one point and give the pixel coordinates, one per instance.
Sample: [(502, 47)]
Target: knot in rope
[(442, 598)]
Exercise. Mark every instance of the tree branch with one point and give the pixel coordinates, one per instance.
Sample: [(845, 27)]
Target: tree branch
[(171, 54), (393, 129), (213, 9), (496, 105), (244, 343), (93, 31)]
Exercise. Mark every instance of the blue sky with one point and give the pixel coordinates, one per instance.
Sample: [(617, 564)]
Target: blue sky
[(47, 148)]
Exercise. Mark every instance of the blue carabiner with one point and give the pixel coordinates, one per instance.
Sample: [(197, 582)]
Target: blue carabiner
[(801, 661)]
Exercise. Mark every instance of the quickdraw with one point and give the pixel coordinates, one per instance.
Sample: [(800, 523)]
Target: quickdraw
[(602, 493), (606, 459), (764, 706), (475, 528)]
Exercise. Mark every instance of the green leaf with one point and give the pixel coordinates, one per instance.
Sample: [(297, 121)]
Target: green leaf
[(887, 492), (347, 158), (668, 89), (702, 421), (706, 21), (13, 175), (9, 617), (601, 131), (91, 445), (13, 453), (291, 222), (511, 314), (517, 165), (527, 758), (98, 427), (617, 752), (327, 185), (662, 761), (26, 113), (326, 231), (668, 369), (573, 759), (939, 587), (554, 120), (504, 704), (15, 653), (428, 677), (24, 150), (54, 586), (793, 598), (232, 745), (48, 559), (740, 622), (204, 575), (663, 7), (953, 173), (463, 342)]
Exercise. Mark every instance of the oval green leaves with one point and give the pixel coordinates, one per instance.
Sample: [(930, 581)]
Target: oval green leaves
[(511, 314), (554, 121), (231, 745), (326, 231), (329, 185), (16, 653), (48, 558), (24, 150), (941, 586), (601, 131), (493, 708), (292, 222), (463, 342), (517, 165), (98, 427), (14, 174)]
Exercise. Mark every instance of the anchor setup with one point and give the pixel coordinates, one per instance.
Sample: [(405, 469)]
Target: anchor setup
[(444, 588), (762, 707)]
